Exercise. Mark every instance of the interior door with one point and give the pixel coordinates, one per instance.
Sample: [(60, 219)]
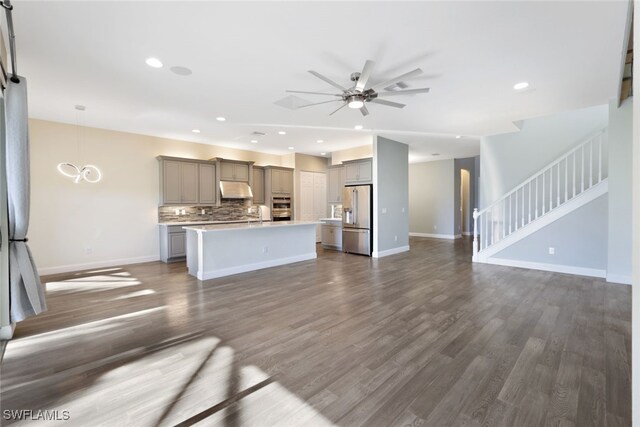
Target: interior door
[(306, 196), (319, 200)]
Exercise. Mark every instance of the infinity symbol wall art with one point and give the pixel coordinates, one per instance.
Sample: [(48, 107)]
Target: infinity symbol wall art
[(89, 173)]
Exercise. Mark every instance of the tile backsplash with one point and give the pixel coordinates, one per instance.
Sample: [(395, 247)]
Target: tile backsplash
[(230, 210)]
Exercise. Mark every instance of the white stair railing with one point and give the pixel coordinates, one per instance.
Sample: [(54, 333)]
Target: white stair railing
[(563, 179)]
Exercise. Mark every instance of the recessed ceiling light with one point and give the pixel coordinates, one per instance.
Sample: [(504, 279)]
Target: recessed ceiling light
[(254, 141), (291, 148), (154, 62), (458, 136), (358, 127), (319, 141), (220, 119), (323, 154), (282, 132), (196, 131), (521, 85)]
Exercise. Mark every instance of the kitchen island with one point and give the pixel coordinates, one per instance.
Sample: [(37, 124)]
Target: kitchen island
[(226, 249)]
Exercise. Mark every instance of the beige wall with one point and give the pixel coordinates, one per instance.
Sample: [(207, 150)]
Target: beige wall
[(75, 226), (361, 152)]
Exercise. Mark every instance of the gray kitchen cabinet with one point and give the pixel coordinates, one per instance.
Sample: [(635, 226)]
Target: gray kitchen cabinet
[(189, 182), (332, 235), (170, 182), (186, 181), (258, 185), (173, 243), (230, 171), (279, 180), (335, 182), (207, 183), (358, 171), (178, 182)]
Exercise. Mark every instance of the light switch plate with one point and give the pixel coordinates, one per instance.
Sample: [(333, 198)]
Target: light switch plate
[(552, 251)]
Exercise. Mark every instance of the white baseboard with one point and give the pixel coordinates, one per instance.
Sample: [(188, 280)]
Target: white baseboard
[(6, 332), (380, 254), (97, 264), (619, 278), (436, 236), (556, 268), (255, 266)]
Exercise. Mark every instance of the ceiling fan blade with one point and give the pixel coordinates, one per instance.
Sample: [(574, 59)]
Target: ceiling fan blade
[(364, 111), (404, 76), (387, 103), (364, 75), (328, 80), (318, 103), (339, 108), (312, 93), (403, 92)]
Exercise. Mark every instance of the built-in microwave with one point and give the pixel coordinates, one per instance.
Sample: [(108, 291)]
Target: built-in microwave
[(280, 208)]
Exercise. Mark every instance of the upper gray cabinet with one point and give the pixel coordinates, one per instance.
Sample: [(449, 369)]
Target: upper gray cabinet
[(207, 183), (335, 182), (358, 171), (184, 181), (279, 180), (258, 185), (231, 171)]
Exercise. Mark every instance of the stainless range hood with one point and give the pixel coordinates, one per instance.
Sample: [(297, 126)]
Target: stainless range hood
[(235, 190)]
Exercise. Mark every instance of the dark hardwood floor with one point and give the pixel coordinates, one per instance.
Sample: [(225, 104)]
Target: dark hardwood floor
[(420, 338)]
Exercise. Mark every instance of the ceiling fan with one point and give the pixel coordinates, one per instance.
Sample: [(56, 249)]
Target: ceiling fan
[(359, 94)]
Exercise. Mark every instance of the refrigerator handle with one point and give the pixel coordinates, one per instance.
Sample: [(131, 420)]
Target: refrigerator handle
[(354, 203)]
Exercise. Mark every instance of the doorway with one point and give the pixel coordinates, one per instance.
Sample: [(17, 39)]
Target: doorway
[(465, 202), (313, 198)]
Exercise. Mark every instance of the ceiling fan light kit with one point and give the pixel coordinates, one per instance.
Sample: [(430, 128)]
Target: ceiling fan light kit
[(359, 94)]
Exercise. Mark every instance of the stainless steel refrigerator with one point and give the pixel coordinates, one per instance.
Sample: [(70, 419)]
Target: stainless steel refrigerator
[(356, 219)]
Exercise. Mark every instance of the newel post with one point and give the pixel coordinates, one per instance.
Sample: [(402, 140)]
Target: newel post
[(475, 232)]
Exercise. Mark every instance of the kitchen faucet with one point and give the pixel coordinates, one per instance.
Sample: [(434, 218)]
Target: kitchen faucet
[(259, 212)]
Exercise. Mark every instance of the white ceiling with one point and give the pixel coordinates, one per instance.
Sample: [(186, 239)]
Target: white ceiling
[(244, 55)]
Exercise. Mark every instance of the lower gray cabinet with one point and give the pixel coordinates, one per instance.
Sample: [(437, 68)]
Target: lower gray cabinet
[(173, 243), (332, 235)]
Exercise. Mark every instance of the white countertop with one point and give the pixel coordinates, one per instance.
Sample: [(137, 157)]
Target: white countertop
[(331, 219), (245, 225), (206, 222)]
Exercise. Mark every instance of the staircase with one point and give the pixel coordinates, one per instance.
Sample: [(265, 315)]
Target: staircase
[(569, 182)]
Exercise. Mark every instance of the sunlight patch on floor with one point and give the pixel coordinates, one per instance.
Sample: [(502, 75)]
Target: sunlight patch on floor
[(90, 285), (18, 346)]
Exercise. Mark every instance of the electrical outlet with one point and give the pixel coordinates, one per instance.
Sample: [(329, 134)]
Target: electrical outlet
[(395, 238), (435, 227), (177, 211), (552, 251), (402, 210), (202, 212), (384, 210), (183, 212)]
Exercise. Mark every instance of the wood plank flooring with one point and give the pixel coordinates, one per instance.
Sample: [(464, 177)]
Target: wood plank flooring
[(419, 338)]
